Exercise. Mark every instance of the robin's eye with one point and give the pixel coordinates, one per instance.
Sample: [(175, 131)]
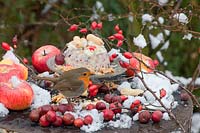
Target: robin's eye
[(84, 74)]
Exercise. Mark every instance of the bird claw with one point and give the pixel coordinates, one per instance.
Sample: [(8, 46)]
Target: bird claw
[(57, 98)]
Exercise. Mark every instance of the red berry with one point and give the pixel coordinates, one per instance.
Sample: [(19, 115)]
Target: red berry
[(120, 32), (139, 108), (5, 46), (137, 102), (93, 87), (94, 25), (119, 36), (111, 38), (100, 106), (104, 88), (34, 115), (123, 98), (43, 122), (114, 55), (144, 117), (60, 59), (108, 114), (84, 30), (93, 93), (108, 98), (130, 72), (132, 106), (51, 116), (123, 64), (134, 63), (68, 119), (119, 43), (65, 107), (25, 60), (90, 106), (116, 99), (116, 108), (44, 109), (162, 93), (117, 28), (73, 27), (78, 122), (58, 121), (111, 58), (156, 116), (128, 55), (88, 120), (55, 107), (99, 25), (155, 62), (90, 83)]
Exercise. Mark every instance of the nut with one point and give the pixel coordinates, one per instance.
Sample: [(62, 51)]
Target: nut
[(95, 39), (132, 92)]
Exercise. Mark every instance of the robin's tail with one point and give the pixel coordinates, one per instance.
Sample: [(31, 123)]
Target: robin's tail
[(47, 78)]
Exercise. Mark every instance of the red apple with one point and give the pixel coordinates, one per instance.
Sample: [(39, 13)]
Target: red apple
[(16, 94), (41, 55)]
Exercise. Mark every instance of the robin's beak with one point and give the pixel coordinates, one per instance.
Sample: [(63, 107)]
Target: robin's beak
[(91, 73)]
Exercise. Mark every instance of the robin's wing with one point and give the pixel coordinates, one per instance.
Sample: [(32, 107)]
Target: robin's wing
[(70, 88)]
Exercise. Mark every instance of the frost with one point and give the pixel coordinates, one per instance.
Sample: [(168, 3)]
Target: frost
[(41, 96), (187, 36), (195, 123), (147, 18), (140, 41), (159, 55), (181, 17), (162, 2), (3, 110), (10, 55)]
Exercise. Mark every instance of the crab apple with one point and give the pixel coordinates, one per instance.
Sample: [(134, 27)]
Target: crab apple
[(144, 117), (88, 120), (90, 106), (51, 116), (59, 59), (16, 94), (128, 55), (108, 98), (108, 114), (73, 27), (65, 107), (100, 106), (41, 56), (156, 116), (184, 96), (116, 108), (104, 89), (54, 107), (34, 115), (78, 122), (44, 109), (43, 121), (58, 122), (68, 119), (116, 99)]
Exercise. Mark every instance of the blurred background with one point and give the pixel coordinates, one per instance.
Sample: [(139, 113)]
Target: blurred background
[(39, 22)]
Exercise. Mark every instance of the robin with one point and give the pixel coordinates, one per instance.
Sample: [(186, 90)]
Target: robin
[(70, 83)]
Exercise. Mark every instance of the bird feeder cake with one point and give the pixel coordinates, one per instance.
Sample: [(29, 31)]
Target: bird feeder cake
[(88, 52)]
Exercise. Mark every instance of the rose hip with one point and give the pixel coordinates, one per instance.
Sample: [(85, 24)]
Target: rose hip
[(68, 119)]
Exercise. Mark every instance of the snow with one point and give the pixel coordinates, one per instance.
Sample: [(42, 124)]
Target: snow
[(99, 6), (165, 46), (140, 41), (159, 55), (130, 16), (124, 85), (41, 96), (120, 55), (15, 81), (195, 123), (147, 18), (111, 17), (10, 55), (167, 32), (187, 36), (162, 2), (136, 117), (3, 110), (166, 116), (156, 40), (181, 17), (125, 121), (161, 20)]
